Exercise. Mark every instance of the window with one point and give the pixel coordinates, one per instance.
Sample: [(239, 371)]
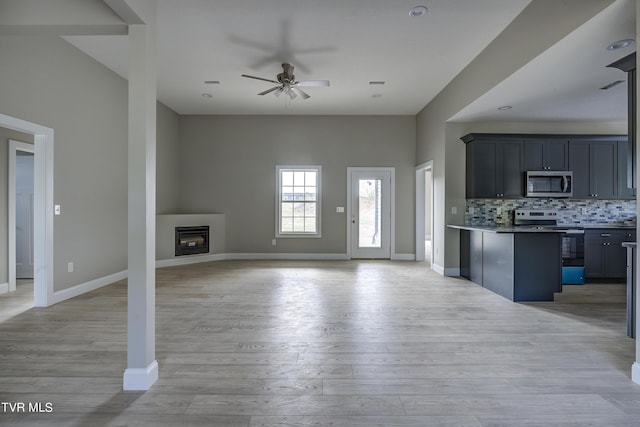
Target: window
[(298, 201)]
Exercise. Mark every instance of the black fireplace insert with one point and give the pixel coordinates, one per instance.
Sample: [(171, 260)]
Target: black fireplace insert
[(192, 240)]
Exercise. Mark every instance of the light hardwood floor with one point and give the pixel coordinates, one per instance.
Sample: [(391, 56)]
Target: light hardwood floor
[(346, 344)]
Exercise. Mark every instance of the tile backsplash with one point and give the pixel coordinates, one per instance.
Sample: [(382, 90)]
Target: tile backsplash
[(570, 211)]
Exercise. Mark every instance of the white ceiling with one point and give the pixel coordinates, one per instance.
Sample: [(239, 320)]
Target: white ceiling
[(352, 43)]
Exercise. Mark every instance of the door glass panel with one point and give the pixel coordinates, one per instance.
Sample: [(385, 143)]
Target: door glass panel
[(369, 213)]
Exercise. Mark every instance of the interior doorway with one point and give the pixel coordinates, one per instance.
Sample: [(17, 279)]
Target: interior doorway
[(21, 201), (370, 212), (424, 213), (43, 293)]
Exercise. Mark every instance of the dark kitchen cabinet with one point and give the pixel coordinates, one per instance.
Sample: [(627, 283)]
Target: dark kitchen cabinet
[(494, 168), (604, 256), (496, 163), (546, 155), (594, 166), (624, 192)]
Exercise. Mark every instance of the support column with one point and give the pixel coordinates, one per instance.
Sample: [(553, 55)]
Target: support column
[(142, 367)]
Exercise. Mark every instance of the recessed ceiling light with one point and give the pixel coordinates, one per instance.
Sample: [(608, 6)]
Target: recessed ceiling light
[(207, 95), (212, 82), (620, 44), (505, 108), (417, 11)]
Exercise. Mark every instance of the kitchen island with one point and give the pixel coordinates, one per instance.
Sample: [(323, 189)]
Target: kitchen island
[(520, 264)]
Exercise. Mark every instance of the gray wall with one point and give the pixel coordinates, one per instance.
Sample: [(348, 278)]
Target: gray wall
[(167, 161), (517, 45), (228, 166), (5, 136), (49, 82)]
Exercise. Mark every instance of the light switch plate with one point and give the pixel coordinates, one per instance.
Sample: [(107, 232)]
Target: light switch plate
[(56, 210), (340, 209), (454, 210)]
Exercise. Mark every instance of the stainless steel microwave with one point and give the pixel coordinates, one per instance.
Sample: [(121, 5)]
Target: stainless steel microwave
[(549, 184)]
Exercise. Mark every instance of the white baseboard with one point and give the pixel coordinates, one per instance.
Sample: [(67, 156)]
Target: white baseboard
[(140, 378), (452, 272), (185, 260), (403, 257), (438, 269), (92, 285), (288, 256), (4, 288), (82, 288), (635, 372)]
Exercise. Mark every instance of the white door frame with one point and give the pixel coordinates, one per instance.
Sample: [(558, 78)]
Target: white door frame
[(43, 208), (420, 210), (392, 205), (14, 147)]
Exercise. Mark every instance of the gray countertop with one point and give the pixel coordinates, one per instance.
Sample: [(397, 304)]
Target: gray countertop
[(502, 229), (512, 229)]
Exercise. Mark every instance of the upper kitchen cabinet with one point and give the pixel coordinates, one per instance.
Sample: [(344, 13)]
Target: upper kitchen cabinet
[(595, 168), (541, 154), (494, 167), (496, 163)]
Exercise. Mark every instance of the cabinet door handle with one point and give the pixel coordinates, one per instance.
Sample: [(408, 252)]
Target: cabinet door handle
[(605, 235)]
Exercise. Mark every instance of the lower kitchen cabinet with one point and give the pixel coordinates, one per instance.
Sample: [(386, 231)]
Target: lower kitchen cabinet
[(604, 256), (509, 264)]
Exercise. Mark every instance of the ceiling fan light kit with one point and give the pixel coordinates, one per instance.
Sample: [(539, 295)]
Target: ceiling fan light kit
[(286, 83)]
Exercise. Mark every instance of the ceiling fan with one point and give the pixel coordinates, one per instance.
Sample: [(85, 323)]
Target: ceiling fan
[(287, 84)]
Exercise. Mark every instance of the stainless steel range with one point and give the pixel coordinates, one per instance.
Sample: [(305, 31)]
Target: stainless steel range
[(572, 240), (536, 218)]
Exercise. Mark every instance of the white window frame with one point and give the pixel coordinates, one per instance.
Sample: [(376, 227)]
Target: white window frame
[(318, 170)]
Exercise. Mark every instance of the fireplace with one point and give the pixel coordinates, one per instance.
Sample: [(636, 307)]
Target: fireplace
[(192, 240)]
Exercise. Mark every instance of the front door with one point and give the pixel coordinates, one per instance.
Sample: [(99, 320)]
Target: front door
[(370, 209)]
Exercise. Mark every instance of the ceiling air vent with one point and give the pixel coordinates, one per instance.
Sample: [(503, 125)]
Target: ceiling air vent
[(610, 85)]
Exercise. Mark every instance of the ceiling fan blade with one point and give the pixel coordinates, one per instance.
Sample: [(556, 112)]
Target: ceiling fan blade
[(269, 90), (303, 94), (323, 83), (259, 78)]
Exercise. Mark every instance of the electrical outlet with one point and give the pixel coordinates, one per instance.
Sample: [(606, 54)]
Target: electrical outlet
[(340, 209), (273, 242), (454, 210), (498, 211), (472, 210), (56, 210), (70, 267)]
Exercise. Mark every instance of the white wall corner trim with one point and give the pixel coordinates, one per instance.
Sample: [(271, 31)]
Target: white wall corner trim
[(403, 257), (286, 256), (82, 288), (140, 378), (4, 288), (189, 260)]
